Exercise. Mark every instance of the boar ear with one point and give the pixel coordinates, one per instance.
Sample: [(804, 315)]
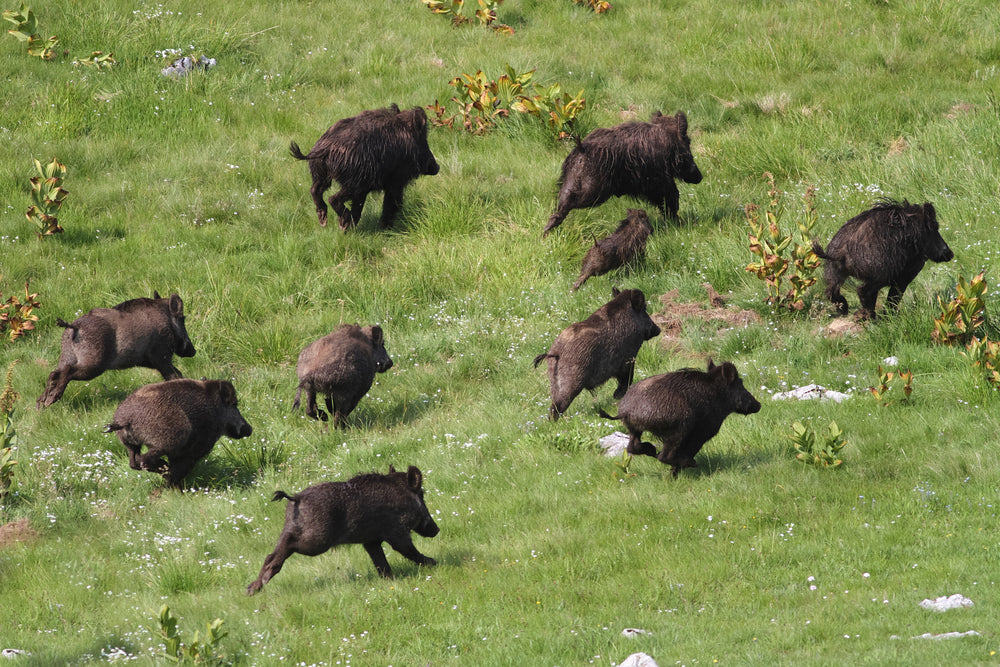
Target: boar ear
[(227, 392), (638, 300), (377, 336), (930, 215), (711, 365), (419, 117), (156, 295), (414, 478), (729, 374), (682, 123), (656, 114), (176, 305), (392, 468), (615, 292)]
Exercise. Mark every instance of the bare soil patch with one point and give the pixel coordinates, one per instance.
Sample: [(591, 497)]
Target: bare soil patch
[(16, 531), (676, 313)]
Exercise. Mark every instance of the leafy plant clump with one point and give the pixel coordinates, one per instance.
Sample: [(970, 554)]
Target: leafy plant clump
[(963, 317), (8, 435), (97, 60), (818, 449), (787, 261), (48, 195), (199, 651), (16, 316), (486, 15), (25, 30), (985, 356), (884, 386), (599, 6), (483, 102)]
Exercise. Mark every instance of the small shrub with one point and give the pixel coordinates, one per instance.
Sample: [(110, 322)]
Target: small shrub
[(884, 386), (964, 316), (819, 450), (48, 195), (199, 651), (16, 316), (787, 262), (25, 30), (985, 355)]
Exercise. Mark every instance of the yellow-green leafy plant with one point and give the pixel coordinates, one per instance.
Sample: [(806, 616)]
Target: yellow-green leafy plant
[(964, 316), (97, 60), (16, 316), (985, 356), (48, 195), (818, 449), (199, 651), (623, 467), (787, 261), (486, 15), (25, 30), (889, 379), (8, 435), (557, 108)]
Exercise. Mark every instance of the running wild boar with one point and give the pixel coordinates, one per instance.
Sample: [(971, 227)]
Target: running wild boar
[(627, 243), (177, 419), (587, 354), (140, 332), (632, 159), (886, 245), (342, 365), (377, 150), (368, 509), (684, 409)]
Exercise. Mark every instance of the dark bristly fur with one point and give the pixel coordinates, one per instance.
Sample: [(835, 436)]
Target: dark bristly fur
[(886, 245), (342, 365), (632, 159), (179, 419), (140, 332), (626, 243), (377, 150), (684, 409), (587, 354), (368, 509)]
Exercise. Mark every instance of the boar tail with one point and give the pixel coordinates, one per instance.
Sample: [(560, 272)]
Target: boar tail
[(297, 152), (546, 355), (114, 426), (604, 414), (64, 324), (818, 251), (279, 494)]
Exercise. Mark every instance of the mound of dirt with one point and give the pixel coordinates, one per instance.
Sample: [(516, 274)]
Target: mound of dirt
[(16, 531), (675, 313)]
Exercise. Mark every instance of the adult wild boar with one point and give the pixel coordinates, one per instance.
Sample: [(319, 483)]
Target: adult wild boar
[(377, 150), (367, 509), (140, 332), (611, 252), (886, 245), (177, 419), (635, 159), (587, 354), (684, 409), (342, 365)]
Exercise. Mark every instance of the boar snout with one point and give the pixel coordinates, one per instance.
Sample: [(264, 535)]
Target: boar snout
[(240, 430)]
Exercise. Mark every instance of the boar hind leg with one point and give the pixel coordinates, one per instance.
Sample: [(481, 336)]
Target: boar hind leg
[(272, 566), (345, 217), (58, 379), (374, 550), (317, 190), (636, 447)]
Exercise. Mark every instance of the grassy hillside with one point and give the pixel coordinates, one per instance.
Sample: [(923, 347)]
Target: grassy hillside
[(547, 549)]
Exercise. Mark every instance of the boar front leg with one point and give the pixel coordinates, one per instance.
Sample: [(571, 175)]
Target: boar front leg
[(405, 546)]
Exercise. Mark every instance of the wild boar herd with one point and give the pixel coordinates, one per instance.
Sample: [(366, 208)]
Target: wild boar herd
[(178, 421)]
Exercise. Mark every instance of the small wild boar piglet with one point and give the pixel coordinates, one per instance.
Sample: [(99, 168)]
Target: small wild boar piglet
[(368, 509), (140, 332), (177, 419), (684, 409), (587, 354), (377, 150), (886, 245), (342, 365), (625, 244), (632, 159)]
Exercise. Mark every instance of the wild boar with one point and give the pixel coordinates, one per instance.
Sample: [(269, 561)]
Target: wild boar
[(684, 409), (625, 244), (886, 245), (377, 150), (140, 332), (342, 365), (368, 509), (632, 159), (178, 419), (587, 354)]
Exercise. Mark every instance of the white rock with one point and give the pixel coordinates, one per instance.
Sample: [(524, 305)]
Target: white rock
[(614, 444), (944, 603), (810, 392), (632, 633), (947, 635), (13, 652), (891, 361), (638, 660)]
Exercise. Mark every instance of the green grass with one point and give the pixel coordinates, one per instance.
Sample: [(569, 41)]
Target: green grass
[(547, 551)]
